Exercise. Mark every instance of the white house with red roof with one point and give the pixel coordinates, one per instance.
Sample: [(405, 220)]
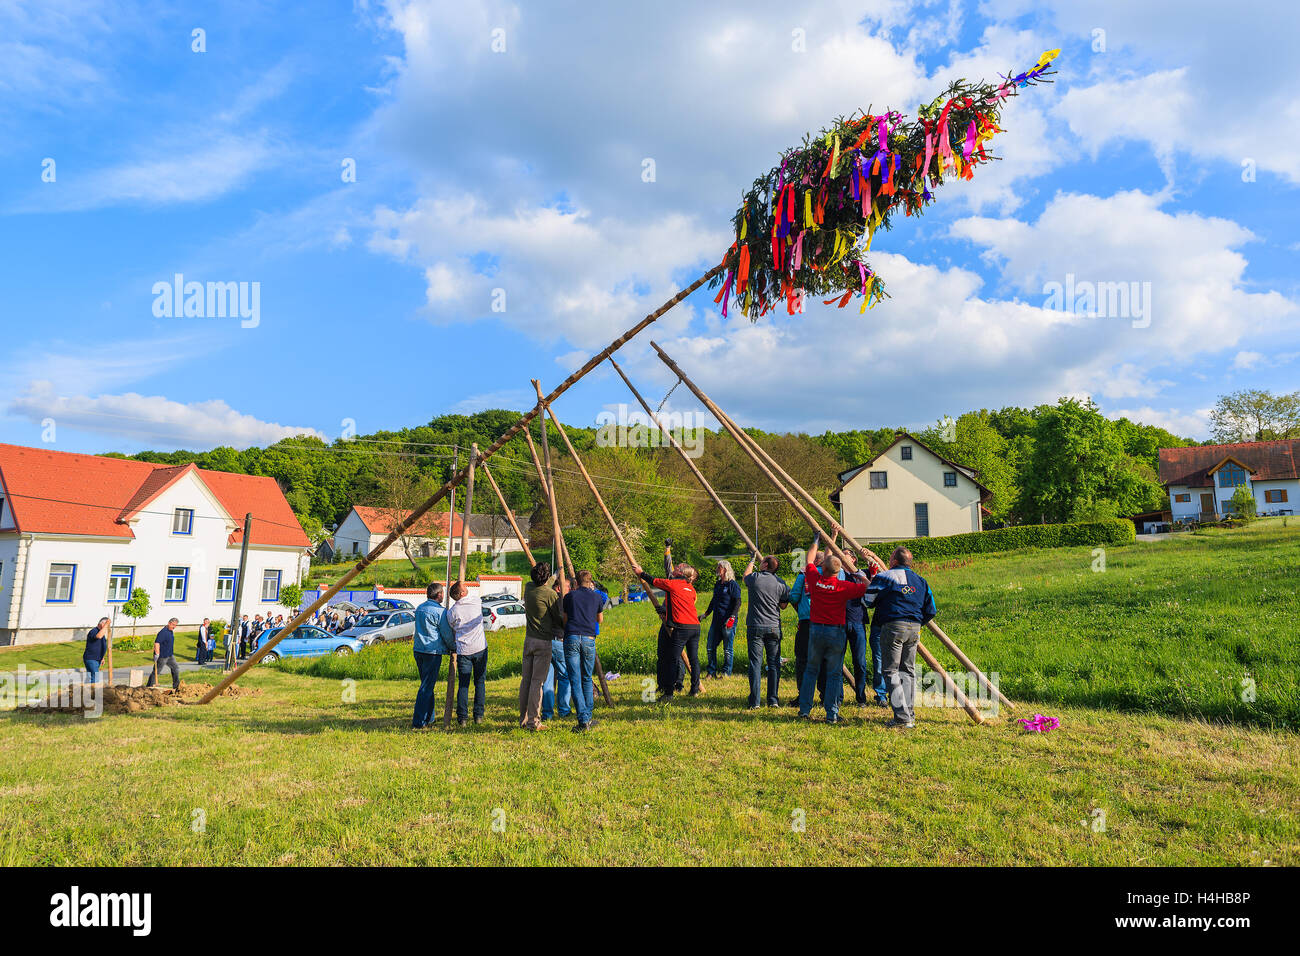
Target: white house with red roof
[(79, 532), (1201, 479), (364, 527)]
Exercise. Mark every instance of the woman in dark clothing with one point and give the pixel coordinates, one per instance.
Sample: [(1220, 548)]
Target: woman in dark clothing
[(725, 606)]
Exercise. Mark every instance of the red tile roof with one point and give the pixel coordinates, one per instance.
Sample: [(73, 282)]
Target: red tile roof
[(59, 492), (379, 521), (1267, 460)]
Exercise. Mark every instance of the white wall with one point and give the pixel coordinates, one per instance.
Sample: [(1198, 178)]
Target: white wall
[(150, 553), (889, 513)]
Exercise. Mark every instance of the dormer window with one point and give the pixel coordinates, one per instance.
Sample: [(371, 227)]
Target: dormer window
[(1230, 476), (183, 521)]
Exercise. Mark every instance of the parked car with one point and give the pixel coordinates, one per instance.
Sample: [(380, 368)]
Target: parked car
[(389, 604), (499, 596), (308, 640), (347, 607), (638, 594), (399, 626), (505, 614), (368, 623)]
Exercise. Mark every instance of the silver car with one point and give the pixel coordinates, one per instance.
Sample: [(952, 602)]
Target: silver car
[(400, 626)]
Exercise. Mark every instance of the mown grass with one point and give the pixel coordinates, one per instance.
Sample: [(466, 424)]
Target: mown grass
[(302, 775), (1191, 627), (67, 654)]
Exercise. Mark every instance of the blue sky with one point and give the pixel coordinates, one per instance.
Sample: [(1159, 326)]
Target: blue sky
[(1166, 154)]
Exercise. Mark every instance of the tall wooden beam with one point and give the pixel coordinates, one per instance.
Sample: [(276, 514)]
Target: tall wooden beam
[(510, 515), (452, 677)]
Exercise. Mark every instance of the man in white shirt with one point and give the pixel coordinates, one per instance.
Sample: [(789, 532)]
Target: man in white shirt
[(466, 616)]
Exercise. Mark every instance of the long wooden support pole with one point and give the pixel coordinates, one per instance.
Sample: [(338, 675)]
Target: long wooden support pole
[(835, 549), (452, 676), (510, 515), (411, 519)]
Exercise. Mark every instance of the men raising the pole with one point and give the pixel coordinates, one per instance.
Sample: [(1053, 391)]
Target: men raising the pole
[(724, 606), (681, 628), (768, 593), (826, 635), (902, 602)]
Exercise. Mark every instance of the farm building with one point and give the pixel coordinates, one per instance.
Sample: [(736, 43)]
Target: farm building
[(909, 491), (364, 527), (1201, 479), (79, 532)]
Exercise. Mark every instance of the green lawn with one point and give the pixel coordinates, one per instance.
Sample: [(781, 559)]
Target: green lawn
[(67, 654), (1158, 761)]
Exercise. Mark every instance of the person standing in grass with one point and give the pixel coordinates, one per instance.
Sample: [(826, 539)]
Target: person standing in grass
[(201, 644), (543, 619), (768, 594), (471, 652), (164, 654), (802, 602), (724, 606), (433, 637), (97, 639), (828, 594), (584, 608), (901, 603), (682, 623)]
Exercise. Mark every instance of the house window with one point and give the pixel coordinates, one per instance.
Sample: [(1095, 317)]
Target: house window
[(354, 547), (879, 479), (922, 520), (1276, 496), (120, 577), (225, 585), (270, 585), (62, 582), (950, 479), (1230, 476), (906, 452), (1183, 499), (178, 583), (183, 521)]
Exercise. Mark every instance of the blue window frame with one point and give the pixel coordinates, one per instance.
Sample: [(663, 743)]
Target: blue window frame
[(177, 586), (226, 585), (183, 521), (120, 579), (270, 586), (1230, 476), (61, 584)]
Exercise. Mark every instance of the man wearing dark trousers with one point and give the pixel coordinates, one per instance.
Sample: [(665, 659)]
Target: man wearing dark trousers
[(682, 630), (826, 633), (768, 593), (201, 645), (164, 654), (433, 637), (855, 630), (724, 606)]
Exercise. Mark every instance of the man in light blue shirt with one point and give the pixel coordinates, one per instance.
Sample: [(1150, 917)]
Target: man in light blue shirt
[(433, 638)]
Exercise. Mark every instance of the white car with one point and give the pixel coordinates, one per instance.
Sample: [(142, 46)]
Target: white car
[(497, 617)]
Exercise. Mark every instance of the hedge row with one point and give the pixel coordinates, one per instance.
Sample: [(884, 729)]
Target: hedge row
[(1111, 531)]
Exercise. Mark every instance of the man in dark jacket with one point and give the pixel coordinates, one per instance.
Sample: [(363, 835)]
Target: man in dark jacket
[(901, 602), (97, 639), (164, 654), (724, 606)]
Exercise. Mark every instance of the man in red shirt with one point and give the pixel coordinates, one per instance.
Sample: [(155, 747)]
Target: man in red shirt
[(826, 635), (681, 630)]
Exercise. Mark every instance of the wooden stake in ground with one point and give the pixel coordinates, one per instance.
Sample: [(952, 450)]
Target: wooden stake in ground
[(112, 627), (460, 577), (755, 448), (457, 477), (726, 423)]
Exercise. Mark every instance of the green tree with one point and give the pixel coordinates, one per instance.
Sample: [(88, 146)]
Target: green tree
[(1243, 503), (1254, 414), (291, 597), (972, 441), (136, 607)]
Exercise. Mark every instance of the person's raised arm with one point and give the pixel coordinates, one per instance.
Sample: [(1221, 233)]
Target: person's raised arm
[(749, 568), (812, 552)]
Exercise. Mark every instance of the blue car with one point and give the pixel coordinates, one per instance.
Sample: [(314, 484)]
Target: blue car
[(308, 640)]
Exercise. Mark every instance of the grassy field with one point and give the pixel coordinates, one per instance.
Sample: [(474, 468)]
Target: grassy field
[(67, 654), (318, 768)]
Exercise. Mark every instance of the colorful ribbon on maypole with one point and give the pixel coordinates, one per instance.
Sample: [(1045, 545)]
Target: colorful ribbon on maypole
[(805, 227)]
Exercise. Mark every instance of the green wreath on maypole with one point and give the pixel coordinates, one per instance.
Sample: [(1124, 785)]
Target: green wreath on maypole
[(805, 227)]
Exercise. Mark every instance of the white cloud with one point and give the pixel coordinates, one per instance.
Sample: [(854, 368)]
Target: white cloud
[(1193, 424), (155, 420)]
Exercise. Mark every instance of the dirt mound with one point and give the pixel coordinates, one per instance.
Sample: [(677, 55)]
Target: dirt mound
[(133, 700)]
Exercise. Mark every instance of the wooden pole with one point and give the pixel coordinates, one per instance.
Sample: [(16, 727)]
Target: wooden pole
[(411, 519), (460, 575), (111, 636), (835, 549), (510, 515)]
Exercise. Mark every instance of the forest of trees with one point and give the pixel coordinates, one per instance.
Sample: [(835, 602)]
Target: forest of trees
[(1052, 463)]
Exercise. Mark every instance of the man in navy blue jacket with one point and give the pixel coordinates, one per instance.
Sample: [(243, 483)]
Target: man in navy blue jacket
[(901, 602)]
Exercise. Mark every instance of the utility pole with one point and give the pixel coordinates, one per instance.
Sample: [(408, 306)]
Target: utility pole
[(232, 636), (451, 511)]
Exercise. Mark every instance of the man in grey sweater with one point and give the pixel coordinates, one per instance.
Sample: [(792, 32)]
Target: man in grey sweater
[(768, 594)]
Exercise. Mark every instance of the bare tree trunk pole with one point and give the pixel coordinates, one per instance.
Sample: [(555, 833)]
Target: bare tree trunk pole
[(460, 576), (726, 423), (510, 516), (411, 519), (839, 529), (548, 488)]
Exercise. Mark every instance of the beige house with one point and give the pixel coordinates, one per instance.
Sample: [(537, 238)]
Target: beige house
[(909, 491)]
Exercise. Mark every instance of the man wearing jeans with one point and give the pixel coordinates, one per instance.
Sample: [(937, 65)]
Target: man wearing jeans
[(583, 612), (902, 602), (164, 654), (471, 652), (826, 636), (97, 639), (433, 637), (768, 593)]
